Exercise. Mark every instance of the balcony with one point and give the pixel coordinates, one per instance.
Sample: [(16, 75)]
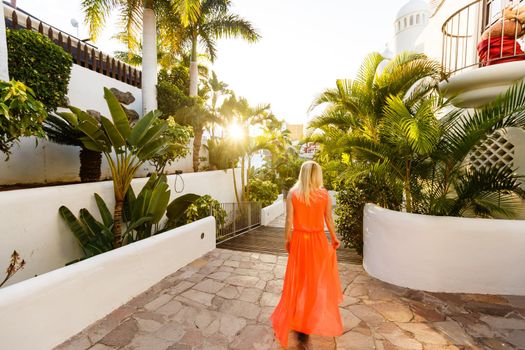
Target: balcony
[(482, 53)]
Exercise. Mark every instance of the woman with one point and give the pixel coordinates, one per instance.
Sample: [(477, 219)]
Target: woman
[(311, 291)]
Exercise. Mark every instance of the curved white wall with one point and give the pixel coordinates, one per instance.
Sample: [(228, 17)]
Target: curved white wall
[(30, 223), (445, 254), (43, 312)]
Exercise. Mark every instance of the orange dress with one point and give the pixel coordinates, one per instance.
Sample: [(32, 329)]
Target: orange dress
[(312, 290)]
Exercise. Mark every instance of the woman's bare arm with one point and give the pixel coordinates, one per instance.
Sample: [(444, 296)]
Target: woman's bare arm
[(329, 219), (289, 221)]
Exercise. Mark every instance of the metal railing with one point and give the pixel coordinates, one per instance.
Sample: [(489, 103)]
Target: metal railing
[(469, 40), (83, 54), (239, 218)]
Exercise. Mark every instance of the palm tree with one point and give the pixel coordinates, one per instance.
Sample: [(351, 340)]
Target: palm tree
[(139, 16), (213, 21), (198, 116), (60, 131), (358, 104), (217, 88)]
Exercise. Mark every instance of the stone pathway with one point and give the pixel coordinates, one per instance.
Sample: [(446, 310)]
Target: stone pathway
[(224, 299)]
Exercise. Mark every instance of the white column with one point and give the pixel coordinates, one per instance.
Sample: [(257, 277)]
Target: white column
[(4, 71), (149, 62), (194, 78)]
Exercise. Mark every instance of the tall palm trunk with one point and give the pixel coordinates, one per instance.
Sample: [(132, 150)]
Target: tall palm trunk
[(407, 189), (194, 68), (90, 165), (197, 142), (235, 186), (4, 72), (149, 58)]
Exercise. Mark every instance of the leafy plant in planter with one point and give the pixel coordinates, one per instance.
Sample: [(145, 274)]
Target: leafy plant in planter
[(191, 207), (40, 64), (61, 131), (20, 114), (263, 191), (125, 148), (142, 214), (177, 137), (351, 200)]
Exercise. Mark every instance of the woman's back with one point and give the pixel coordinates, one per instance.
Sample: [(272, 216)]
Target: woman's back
[(309, 218)]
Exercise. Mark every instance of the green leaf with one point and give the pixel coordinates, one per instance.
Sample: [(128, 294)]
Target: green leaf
[(74, 225), (107, 218), (142, 127), (113, 134), (118, 115)]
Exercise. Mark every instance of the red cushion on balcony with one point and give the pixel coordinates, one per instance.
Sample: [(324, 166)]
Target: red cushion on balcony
[(508, 52)]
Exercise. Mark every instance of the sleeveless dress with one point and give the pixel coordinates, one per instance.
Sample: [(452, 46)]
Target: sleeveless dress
[(311, 290)]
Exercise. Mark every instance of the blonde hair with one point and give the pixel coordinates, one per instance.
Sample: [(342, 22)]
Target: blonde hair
[(310, 179)]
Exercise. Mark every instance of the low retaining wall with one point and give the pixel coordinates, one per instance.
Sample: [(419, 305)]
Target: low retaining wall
[(30, 223), (44, 311), (445, 254), (273, 211)]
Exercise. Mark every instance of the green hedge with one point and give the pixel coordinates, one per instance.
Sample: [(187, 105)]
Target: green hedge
[(40, 64), (351, 200), (263, 191)]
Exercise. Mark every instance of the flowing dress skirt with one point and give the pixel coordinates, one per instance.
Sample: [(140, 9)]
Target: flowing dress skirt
[(311, 290)]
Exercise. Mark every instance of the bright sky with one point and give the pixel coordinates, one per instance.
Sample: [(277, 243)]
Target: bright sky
[(306, 45)]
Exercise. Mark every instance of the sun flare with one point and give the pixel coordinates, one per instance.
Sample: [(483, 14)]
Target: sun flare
[(235, 131)]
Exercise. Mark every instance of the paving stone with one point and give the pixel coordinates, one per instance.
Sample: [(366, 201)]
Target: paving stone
[(229, 292), (394, 311), (220, 275), (246, 272), (232, 263), (355, 341), (270, 299), (397, 337), (266, 276), (243, 281), (148, 326), (517, 338), (251, 295), (260, 284), (264, 315), (275, 286), (180, 347), (122, 335), (204, 318), (367, 314), (180, 287), (172, 332), (158, 302), (268, 258), (455, 332), (349, 319), (209, 286), (426, 313), (255, 337), (356, 290), (424, 333), (192, 337), (348, 300), (231, 325), (198, 296), (279, 271), (169, 309), (147, 342), (101, 347), (503, 323), (241, 309)]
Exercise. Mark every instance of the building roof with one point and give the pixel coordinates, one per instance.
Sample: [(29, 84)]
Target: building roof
[(413, 6)]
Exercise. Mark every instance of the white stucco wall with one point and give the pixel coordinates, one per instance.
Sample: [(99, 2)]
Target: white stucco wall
[(30, 223), (4, 71), (42, 312), (273, 211), (444, 254)]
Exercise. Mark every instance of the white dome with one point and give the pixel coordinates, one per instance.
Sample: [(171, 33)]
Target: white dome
[(413, 6)]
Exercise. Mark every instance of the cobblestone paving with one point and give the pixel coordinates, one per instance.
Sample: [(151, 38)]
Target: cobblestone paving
[(224, 299)]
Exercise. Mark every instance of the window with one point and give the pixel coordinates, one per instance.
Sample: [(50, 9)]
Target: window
[(404, 22), (417, 19), (411, 20)]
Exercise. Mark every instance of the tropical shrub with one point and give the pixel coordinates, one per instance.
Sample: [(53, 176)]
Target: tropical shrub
[(125, 147), (263, 191), (222, 154), (191, 207), (351, 200), (177, 137), (62, 132), (40, 64), (203, 207), (171, 99), (141, 216), (20, 114)]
